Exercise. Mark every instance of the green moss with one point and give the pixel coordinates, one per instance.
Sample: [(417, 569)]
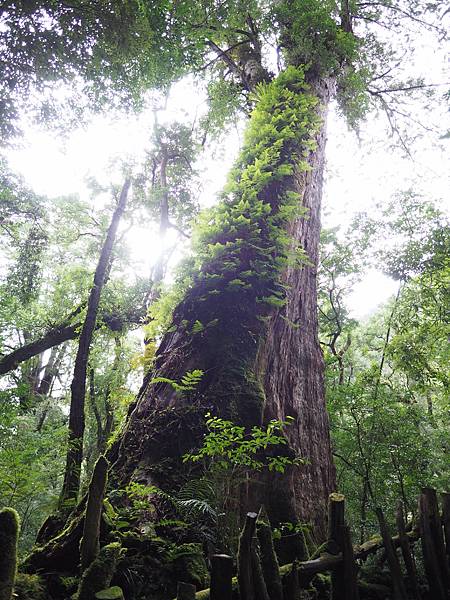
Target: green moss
[(112, 593), (29, 587), (9, 532), (98, 575)]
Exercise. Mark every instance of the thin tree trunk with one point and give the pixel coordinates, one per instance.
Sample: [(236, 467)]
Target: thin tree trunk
[(163, 223), (46, 385), (104, 425), (78, 387), (47, 378), (159, 268)]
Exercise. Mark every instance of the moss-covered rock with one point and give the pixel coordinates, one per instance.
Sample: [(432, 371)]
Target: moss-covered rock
[(9, 533), (188, 565), (99, 574), (112, 593)]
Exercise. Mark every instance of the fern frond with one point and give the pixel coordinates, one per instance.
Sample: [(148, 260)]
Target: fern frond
[(199, 507)]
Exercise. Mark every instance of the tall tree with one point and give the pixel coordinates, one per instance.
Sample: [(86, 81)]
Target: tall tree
[(248, 316), (74, 458)]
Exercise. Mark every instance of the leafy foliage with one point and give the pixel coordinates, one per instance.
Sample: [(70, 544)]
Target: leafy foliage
[(227, 446), (30, 464), (186, 384), (386, 376), (109, 52)]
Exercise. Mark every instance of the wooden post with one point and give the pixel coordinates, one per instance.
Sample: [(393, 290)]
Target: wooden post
[(221, 575), (291, 586), (349, 567), (185, 591), (408, 557), (244, 559), (430, 560), (259, 585), (269, 561), (336, 509), (392, 559), (446, 523)]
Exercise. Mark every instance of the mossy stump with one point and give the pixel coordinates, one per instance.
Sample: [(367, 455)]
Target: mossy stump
[(189, 566), (9, 533), (269, 560)]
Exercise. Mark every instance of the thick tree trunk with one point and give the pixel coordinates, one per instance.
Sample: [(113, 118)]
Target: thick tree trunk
[(78, 386), (293, 362), (259, 361)]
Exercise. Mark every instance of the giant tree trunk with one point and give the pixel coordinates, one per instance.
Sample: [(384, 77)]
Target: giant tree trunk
[(293, 361), (261, 359)]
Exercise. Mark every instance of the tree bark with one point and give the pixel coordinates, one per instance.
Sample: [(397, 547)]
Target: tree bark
[(293, 362), (78, 386)]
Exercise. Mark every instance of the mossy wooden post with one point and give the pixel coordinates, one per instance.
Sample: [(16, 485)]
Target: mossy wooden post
[(430, 560), (392, 558), (269, 561), (9, 533), (336, 510), (259, 584), (221, 587), (89, 545), (437, 535), (408, 557), (185, 591), (446, 523), (245, 579), (349, 567)]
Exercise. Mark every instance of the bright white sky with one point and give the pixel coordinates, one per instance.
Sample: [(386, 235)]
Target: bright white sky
[(359, 174)]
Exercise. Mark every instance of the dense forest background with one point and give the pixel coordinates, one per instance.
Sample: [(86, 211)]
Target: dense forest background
[(97, 289)]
